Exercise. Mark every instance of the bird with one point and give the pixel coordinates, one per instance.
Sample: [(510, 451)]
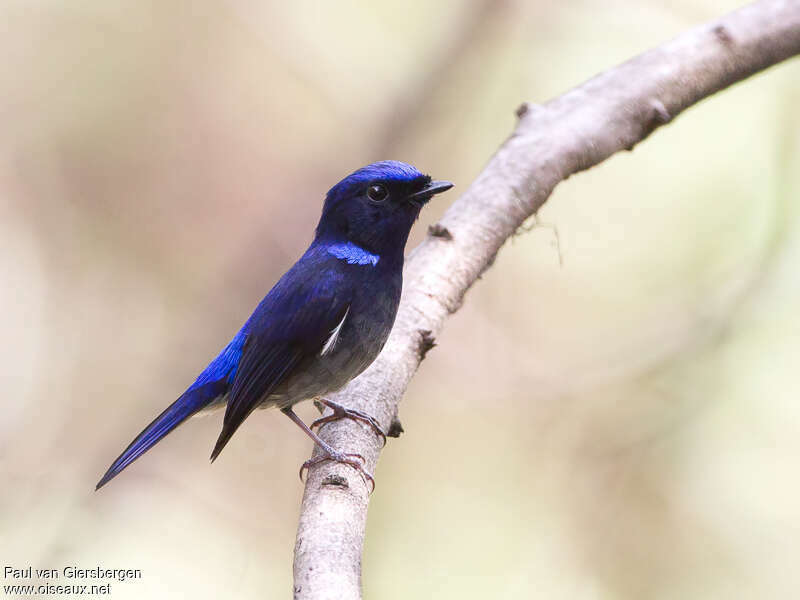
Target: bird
[(321, 325)]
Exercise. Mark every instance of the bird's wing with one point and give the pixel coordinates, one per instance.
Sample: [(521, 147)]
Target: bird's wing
[(290, 325)]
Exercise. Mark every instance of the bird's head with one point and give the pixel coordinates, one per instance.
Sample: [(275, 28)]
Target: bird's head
[(376, 206)]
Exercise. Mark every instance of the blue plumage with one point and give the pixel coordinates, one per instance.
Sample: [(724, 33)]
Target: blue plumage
[(354, 255), (324, 321), (223, 368)]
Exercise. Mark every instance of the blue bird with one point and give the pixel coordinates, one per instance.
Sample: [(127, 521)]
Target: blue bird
[(322, 324)]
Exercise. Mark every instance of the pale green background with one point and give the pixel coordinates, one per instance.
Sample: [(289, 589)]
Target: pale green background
[(624, 425)]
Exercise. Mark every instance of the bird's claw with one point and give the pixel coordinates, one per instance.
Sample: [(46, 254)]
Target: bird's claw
[(340, 412), (345, 459)]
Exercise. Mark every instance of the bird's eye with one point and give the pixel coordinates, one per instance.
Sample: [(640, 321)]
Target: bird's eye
[(377, 193)]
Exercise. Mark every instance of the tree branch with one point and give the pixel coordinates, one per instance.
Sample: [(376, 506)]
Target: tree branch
[(611, 112)]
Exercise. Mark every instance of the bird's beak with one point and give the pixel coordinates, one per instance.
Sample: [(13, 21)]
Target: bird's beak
[(434, 187)]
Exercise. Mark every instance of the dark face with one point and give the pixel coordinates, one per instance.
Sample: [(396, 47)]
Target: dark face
[(376, 206)]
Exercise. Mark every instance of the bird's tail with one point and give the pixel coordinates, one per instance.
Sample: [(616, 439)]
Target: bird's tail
[(192, 400)]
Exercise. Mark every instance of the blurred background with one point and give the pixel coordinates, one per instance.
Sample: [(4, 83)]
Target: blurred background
[(613, 413)]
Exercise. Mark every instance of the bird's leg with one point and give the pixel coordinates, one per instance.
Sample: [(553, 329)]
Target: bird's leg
[(328, 453), (340, 412)]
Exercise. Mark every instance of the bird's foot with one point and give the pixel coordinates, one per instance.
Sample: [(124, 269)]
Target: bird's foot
[(354, 460), (340, 412)]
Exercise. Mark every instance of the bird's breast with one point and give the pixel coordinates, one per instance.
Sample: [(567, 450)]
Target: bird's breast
[(358, 340)]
